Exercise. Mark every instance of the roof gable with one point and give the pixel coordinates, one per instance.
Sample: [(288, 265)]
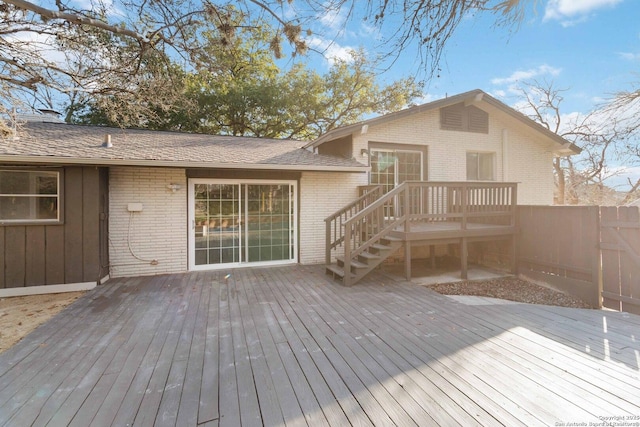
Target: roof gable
[(475, 98)]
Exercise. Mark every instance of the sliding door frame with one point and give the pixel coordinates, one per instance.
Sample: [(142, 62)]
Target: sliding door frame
[(242, 187)]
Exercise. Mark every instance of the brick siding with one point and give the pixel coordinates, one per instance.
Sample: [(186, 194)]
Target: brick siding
[(322, 194), (157, 233), (529, 160)]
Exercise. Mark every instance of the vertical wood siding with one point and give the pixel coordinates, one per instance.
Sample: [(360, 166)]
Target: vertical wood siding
[(32, 255)]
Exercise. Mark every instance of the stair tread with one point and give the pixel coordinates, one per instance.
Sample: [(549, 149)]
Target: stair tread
[(338, 270), (392, 239), (380, 247), (369, 255), (354, 263)]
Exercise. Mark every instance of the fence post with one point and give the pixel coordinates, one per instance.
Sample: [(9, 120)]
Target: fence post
[(514, 222), (463, 204), (407, 208)]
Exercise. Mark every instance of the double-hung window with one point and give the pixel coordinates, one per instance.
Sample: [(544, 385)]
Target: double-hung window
[(30, 196), (480, 166)]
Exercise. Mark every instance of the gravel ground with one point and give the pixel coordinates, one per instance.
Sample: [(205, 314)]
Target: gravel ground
[(510, 288)]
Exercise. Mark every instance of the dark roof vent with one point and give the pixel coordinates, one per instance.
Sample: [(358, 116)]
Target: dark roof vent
[(44, 116), (49, 112)]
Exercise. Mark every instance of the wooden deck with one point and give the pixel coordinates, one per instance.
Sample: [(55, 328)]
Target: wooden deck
[(287, 346)]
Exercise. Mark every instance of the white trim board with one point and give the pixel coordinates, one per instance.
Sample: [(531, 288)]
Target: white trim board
[(46, 289)]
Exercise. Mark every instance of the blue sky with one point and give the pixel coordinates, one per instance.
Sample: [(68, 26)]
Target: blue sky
[(589, 47)]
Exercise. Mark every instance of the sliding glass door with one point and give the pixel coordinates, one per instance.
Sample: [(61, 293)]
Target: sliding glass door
[(236, 223)]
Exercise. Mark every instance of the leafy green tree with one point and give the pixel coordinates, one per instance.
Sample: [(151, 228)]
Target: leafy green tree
[(238, 89), (100, 49)]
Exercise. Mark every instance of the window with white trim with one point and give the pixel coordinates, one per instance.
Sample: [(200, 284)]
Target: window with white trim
[(481, 166), (29, 196)]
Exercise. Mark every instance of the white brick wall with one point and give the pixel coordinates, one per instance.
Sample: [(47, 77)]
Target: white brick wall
[(529, 162), (321, 194), (158, 233)]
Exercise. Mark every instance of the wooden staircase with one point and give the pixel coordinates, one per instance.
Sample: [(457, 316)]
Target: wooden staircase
[(369, 230), (363, 230), (366, 261)]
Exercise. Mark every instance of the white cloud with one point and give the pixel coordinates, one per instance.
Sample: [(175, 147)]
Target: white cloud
[(110, 7), (334, 20), (629, 56), (331, 50), (520, 75), (572, 12), (42, 45)]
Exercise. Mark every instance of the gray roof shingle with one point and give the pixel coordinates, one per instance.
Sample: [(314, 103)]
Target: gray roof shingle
[(41, 142)]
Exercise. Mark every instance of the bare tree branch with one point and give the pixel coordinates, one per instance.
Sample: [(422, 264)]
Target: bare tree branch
[(75, 18)]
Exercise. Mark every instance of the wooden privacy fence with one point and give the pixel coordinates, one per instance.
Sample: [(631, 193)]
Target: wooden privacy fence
[(620, 246), (590, 252), (558, 245)]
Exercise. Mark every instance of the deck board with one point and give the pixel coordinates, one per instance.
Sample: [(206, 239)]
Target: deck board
[(286, 345), (208, 406)]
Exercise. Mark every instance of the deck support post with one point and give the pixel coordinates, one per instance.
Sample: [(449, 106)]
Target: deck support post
[(407, 259), (514, 254), (432, 256), (463, 258)]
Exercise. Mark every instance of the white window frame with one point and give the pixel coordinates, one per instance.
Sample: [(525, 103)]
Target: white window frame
[(293, 218), (479, 154), (34, 196), (396, 169)]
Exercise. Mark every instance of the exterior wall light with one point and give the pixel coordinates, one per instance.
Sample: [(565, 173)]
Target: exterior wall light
[(174, 187)]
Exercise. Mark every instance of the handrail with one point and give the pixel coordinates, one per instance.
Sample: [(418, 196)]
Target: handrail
[(378, 203), (431, 201), (370, 225), (366, 195), (335, 222)]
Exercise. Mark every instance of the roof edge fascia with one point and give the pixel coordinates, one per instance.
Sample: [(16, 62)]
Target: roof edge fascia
[(175, 164)]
